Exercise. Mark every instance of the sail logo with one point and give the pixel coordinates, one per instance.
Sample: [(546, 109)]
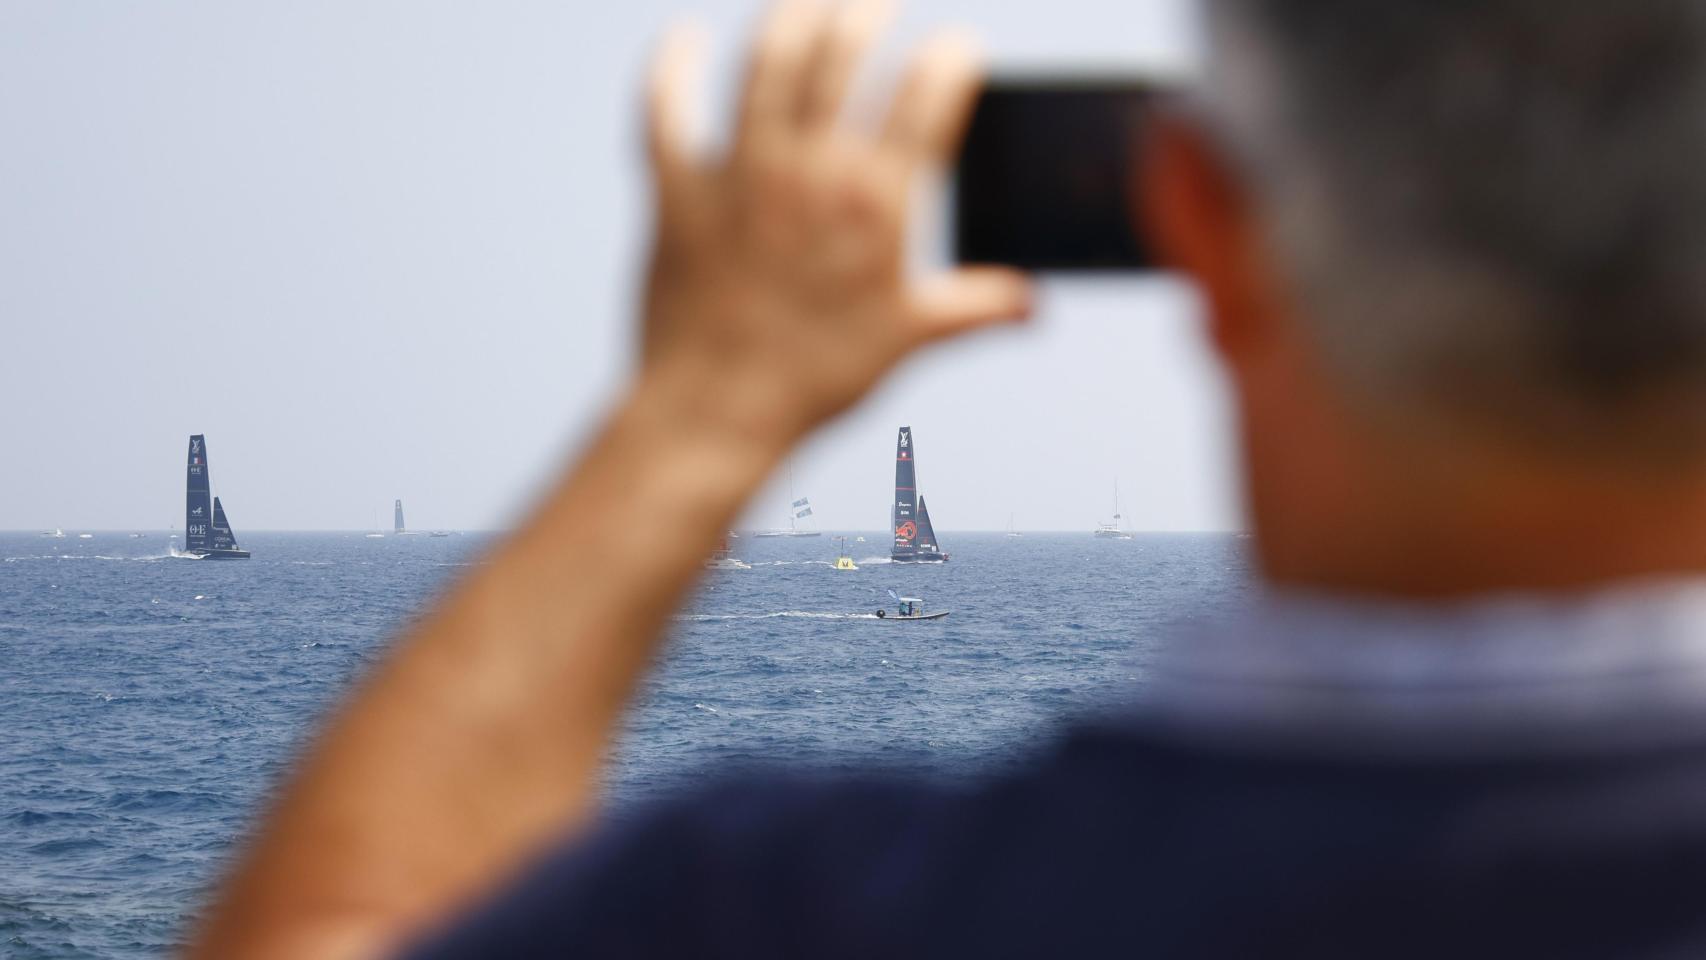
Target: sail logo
[(906, 531), (905, 439), (196, 512)]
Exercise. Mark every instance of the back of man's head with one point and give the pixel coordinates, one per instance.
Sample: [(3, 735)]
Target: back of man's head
[(1496, 208)]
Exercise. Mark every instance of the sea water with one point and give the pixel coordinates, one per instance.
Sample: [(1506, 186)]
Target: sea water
[(151, 704)]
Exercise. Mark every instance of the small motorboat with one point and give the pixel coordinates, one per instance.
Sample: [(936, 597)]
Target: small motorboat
[(910, 608), (724, 559)]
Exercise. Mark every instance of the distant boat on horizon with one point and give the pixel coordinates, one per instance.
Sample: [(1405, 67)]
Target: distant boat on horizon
[(914, 536), (724, 559), (1011, 532), (1112, 531), (54, 534), (207, 533), (797, 510), (397, 523)]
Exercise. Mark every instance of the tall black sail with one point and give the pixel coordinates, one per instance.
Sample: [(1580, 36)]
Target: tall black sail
[(198, 505), (223, 538), (397, 518), (926, 533), (905, 499)]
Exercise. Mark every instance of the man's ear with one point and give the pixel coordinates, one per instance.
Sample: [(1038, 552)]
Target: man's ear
[(1199, 220)]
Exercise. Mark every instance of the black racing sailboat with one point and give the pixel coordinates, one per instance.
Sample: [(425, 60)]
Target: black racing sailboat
[(207, 534), (397, 526), (914, 537)]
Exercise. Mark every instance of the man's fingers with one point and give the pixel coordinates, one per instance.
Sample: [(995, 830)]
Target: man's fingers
[(934, 100), (969, 298), (769, 101), (842, 47), (669, 101)]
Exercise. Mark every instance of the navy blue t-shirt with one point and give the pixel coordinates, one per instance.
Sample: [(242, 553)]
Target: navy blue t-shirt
[(1130, 840)]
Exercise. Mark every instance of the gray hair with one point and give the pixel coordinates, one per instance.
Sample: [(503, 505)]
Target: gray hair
[(1496, 207)]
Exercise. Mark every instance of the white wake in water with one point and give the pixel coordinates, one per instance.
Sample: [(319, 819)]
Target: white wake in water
[(87, 556), (779, 614)]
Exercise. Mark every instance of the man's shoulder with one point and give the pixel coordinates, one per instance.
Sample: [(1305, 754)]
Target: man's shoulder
[(1057, 850)]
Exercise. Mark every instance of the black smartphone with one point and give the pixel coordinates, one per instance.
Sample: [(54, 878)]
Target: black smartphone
[(1047, 175)]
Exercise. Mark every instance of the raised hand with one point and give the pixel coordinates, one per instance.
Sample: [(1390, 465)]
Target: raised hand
[(779, 276)]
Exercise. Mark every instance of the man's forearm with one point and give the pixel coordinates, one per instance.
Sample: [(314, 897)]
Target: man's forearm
[(493, 715)]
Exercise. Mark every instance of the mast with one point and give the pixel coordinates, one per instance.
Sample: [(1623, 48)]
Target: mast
[(1116, 502), (903, 516), (198, 496), (397, 518)]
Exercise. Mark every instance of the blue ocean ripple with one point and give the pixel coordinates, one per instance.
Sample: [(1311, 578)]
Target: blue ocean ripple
[(154, 704)]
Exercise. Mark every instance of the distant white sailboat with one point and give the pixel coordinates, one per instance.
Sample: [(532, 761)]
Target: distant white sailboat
[(1011, 532), (54, 534), (1112, 531), (798, 510)]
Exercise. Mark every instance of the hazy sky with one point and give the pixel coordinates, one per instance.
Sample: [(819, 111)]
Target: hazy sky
[(380, 250)]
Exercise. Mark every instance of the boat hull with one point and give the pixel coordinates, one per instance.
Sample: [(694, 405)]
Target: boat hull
[(219, 554), (939, 558), (922, 616)]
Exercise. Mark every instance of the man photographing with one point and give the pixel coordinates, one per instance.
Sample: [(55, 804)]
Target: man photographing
[(1450, 256)]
